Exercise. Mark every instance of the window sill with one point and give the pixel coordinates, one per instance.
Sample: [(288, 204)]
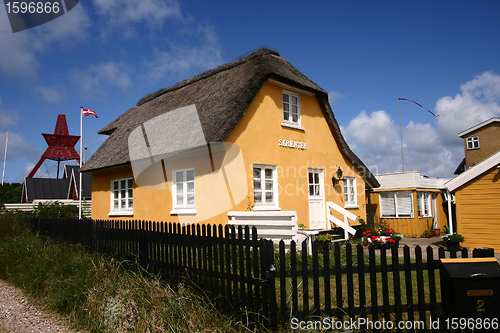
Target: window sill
[(351, 207), (266, 208), (183, 211), (122, 213), (293, 126)]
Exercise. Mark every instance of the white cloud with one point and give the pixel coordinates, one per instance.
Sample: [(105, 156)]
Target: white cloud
[(95, 78), (7, 118), (119, 14), (49, 95), (432, 151), (363, 129), (20, 51), (478, 101), (17, 146), (183, 58)]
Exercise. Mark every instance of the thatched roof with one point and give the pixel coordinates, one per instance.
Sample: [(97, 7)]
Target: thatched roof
[(222, 96)]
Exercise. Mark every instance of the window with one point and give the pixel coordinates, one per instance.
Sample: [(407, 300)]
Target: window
[(315, 183), (123, 196), (183, 191), (424, 204), (473, 142), (265, 187), (396, 204), (350, 197), (291, 110)]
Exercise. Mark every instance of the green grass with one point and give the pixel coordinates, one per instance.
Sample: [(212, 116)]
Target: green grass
[(99, 294)]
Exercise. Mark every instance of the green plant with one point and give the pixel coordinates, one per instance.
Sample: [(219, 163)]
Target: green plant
[(324, 238), (302, 226), (250, 205), (454, 238), (396, 237), (426, 232)]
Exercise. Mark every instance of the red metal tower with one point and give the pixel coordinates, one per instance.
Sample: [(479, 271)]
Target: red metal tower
[(61, 146)]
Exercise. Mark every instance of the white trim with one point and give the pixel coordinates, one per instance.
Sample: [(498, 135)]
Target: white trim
[(473, 172), (289, 87), (183, 211), (354, 186), (180, 209), (293, 126), (121, 213), (478, 126), (262, 205), (266, 208), (472, 141)]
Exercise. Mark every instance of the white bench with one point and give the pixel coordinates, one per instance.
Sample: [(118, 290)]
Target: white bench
[(275, 225)]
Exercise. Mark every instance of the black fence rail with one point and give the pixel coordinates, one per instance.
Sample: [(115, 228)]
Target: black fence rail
[(268, 283)]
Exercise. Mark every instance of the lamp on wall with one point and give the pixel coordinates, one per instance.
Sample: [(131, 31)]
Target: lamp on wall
[(340, 174)]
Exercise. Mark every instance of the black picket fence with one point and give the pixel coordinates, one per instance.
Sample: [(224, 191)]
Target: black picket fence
[(271, 284)]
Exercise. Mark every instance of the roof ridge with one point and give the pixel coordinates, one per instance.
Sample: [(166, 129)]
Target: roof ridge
[(210, 72)]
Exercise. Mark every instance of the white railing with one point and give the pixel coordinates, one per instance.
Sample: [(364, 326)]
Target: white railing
[(26, 207), (343, 224)]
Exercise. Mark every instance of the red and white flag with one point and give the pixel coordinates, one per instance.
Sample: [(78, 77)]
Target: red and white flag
[(87, 112)]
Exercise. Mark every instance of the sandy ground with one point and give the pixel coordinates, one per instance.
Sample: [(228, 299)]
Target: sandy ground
[(18, 315)]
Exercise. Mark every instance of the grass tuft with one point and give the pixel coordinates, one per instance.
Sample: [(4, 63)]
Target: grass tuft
[(98, 293)]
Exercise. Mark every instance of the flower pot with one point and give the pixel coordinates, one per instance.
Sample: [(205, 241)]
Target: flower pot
[(437, 232), (428, 235), (452, 246)]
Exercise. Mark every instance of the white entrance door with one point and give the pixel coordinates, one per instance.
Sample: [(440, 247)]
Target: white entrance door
[(317, 210)]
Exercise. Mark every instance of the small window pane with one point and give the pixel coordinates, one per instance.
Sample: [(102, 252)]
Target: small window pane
[(256, 184), (286, 98), (116, 194), (130, 203), (115, 204), (180, 188), (122, 202), (256, 172), (316, 177), (130, 193), (295, 118), (123, 193), (115, 185), (180, 200), (316, 189), (190, 186), (190, 175), (269, 173), (257, 196), (294, 100), (286, 107), (311, 175), (286, 116), (269, 197), (190, 199), (311, 189), (294, 109), (122, 184), (179, 176), (130, 183), (269, 185)]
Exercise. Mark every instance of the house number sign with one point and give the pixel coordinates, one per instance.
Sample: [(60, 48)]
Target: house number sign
[(292, 144)]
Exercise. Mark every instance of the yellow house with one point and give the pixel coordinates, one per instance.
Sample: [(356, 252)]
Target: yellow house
[(477, 199), (251, 135), (410, 202)]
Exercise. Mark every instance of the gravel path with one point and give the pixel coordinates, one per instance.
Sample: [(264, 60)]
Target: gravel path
[(18, 315)]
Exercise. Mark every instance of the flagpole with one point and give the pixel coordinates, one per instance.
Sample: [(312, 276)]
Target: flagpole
[(80, 170), (5, 155), (401, 129)]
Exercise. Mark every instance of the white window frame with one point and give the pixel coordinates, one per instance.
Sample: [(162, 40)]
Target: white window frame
[(350, 191), (424, 204), (274, 205), (185, 208), (289, 122), (472, 142), (125, 210), (398, 213)]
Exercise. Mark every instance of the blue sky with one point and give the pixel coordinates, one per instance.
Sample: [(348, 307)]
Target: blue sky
[(107, 54)]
